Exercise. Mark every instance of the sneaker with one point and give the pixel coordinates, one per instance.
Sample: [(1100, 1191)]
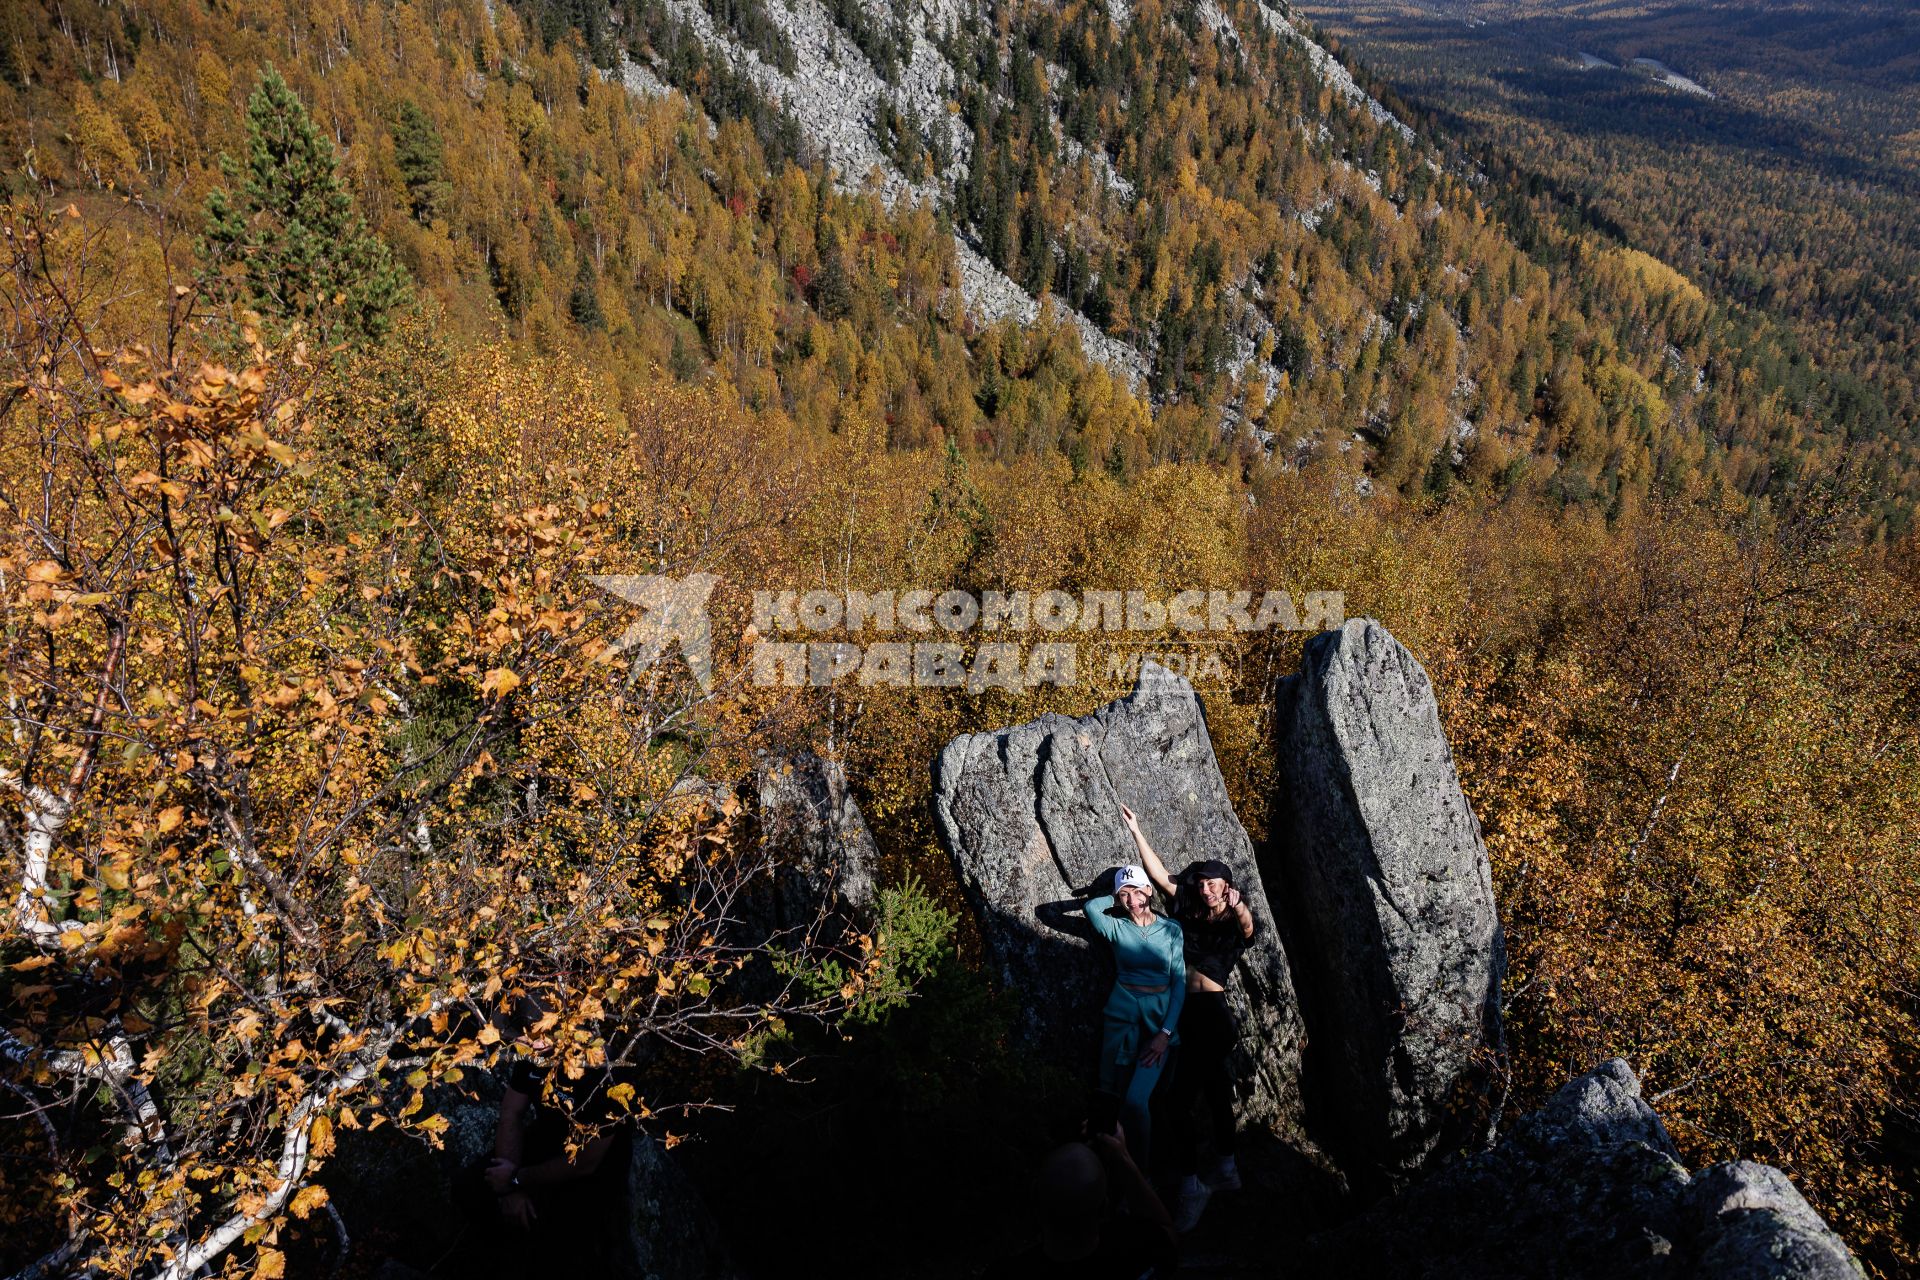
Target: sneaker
[(1225, 1175), (1192, 1203)]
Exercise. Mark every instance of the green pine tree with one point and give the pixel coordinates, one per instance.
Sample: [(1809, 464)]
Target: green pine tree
[(583, 304), (832, 289), (422, 160), (1036, 252), (958, 499), (291, 246)]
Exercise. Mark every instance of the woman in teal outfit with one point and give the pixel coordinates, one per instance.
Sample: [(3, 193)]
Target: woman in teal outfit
[(1143, 1011)]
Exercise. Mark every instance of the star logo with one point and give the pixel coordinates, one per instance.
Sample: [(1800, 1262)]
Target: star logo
[(671, 609)]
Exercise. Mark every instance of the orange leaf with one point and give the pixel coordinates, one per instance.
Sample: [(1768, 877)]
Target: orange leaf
[(308, 1199)]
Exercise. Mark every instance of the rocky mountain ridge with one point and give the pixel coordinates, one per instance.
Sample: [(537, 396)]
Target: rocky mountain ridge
[(837, 94)]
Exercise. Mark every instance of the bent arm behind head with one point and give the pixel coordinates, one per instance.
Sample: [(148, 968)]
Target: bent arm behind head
[(1097, 910)]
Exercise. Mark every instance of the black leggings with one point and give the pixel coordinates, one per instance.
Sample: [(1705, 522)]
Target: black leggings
[(1200, 1069)]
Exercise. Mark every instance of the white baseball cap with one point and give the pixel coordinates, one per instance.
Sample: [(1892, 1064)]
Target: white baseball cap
[(1130, 878)]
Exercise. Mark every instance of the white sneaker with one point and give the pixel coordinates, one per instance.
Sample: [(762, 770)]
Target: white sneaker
[(1192, 1203), (1225, 1175)]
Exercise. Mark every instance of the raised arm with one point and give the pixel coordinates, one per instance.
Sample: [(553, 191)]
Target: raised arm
[(1156, 869), (1135, 1191), (510, 1134)]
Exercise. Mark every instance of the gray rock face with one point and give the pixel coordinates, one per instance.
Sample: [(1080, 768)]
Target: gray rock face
[(1389, 899), (1752, 1223), (813, 827), (1590, 1186), (835, 93), (1031, 815), (1603, 1108), (816, 885), (669, 1233)]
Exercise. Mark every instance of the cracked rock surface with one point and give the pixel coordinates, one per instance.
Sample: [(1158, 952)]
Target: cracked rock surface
[(1031, 815), (1389, 896), (1590, 1186)]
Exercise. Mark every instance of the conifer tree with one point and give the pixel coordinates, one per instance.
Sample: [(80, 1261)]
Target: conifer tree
[(422, 160), (833, 292), (583, 304), (291, 246), (1036, 252)]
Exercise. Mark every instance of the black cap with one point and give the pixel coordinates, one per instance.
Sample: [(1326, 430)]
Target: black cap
[(1210, 869)]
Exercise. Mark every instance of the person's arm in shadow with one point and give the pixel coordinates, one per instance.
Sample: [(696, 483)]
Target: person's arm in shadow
[(1249, 923), (1065, 916), (566, 1168), (509, 1148)]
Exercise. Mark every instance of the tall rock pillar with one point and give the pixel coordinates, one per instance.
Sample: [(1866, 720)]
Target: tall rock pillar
[(1381, 879)]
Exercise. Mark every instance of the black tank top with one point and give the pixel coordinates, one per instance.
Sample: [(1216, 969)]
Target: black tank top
[(1213, 945)]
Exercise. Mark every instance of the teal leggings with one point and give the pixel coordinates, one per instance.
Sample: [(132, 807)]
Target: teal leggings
[(1132, 1019)]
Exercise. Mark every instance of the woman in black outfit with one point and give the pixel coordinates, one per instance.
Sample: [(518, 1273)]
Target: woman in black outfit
[(1217, 926)]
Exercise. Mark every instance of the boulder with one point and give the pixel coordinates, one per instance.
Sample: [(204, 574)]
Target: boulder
[(1031, 816), (667, 1231), (1589, 1186), (814, 888), (1749, 1222), (825, 855), (1388, 899)]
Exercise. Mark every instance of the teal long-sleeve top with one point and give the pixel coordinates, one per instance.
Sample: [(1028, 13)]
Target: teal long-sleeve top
[(1144, 957)]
